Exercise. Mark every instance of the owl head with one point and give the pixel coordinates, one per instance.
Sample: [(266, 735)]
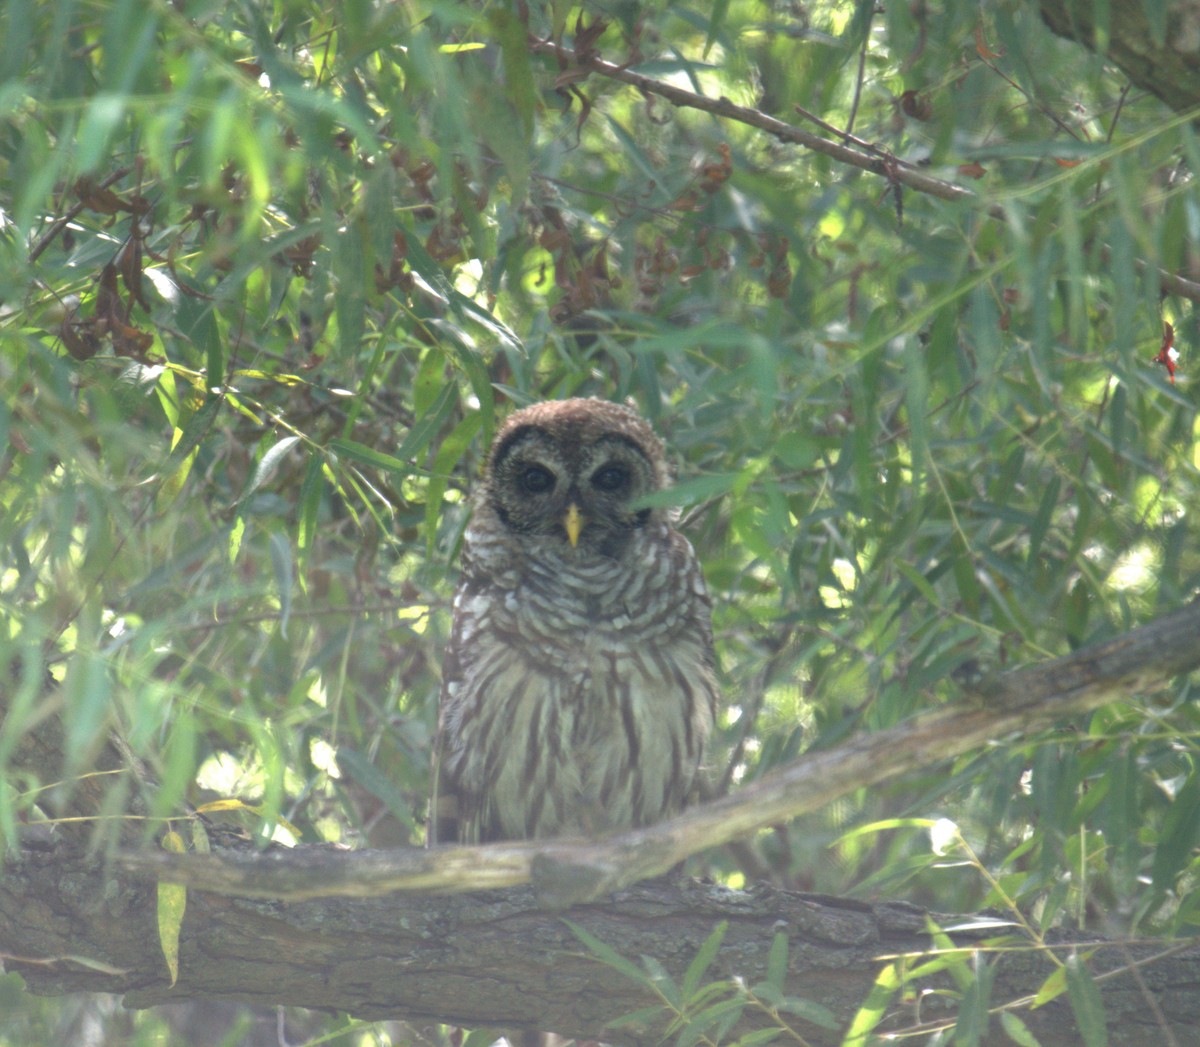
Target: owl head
[(567, 476)]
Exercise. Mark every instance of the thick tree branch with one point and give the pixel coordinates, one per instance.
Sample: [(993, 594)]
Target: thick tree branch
[(569, 872), (496, 959)]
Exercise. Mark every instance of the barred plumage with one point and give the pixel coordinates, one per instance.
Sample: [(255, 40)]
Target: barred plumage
[(578, 688)]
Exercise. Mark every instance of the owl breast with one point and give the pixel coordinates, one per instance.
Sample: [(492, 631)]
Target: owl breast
[(589, 685)]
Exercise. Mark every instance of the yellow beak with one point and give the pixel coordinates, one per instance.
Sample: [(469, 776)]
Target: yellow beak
[(573, 522)]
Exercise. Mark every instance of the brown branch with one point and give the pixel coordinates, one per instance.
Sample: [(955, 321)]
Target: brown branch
[(875, 162), (866, 158), (68, 923), (567, 872)]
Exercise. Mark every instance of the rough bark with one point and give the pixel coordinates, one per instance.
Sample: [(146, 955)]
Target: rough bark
[(496, 959), (1168, 67)]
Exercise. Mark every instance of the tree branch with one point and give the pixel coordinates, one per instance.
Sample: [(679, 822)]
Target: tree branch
[(495, 959), (865, 157), (566, 872)]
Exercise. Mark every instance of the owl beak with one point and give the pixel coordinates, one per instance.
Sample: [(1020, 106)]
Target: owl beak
[(573, 523)]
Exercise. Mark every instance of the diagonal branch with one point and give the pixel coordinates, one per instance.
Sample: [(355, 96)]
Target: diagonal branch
[(866, 157), (566, 872)]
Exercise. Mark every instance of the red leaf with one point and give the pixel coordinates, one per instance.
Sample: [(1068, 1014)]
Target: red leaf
[(981, 45), (1168, 355)]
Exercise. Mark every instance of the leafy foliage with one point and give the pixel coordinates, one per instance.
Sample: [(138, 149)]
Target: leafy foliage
[(272, 272), (705, 1014)]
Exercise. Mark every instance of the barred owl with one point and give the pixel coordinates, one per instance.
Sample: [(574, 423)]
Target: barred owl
[(578, 685)]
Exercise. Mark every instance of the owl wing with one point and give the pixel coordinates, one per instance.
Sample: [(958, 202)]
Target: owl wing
[(454, 804), (444, 819)]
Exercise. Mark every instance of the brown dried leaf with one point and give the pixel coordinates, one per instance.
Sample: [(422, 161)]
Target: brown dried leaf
[(109, 305), (79, 338), (129, 341), (129, 261), (102, 201), (587, 36), (918, 106), (780, 281)]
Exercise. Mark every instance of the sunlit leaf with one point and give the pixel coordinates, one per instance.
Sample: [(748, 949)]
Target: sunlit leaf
[(172, 903)]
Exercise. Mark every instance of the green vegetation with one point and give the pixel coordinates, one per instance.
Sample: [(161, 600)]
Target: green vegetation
[(271, 273)]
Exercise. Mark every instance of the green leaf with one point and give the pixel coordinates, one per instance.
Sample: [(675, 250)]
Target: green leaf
[(639, 1019), (810, 1011), (777, 962), (874, 1007), (972, 1024), (663, 982), (703, 959), (362, 771), (429, 383), (426, 426), (712, 1022), (175, 469), (1017, 1031), (1041, 522), (752, 1039), (609, 956), (1086, 1004), (88, 695), (308, 507), (1053, 987), (480, 1038), (692, 491), (100, 121), (522, 93), (172, 903), (916, 396), (178, 763), (1179, 836), (716, 20), (369, 456), (449, 454), (919, 582), (463, 306), (265, 467), (281, 564), (349, 297)]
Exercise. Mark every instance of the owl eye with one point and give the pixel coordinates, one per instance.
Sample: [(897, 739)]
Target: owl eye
[(535, 479), (611, 478)]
